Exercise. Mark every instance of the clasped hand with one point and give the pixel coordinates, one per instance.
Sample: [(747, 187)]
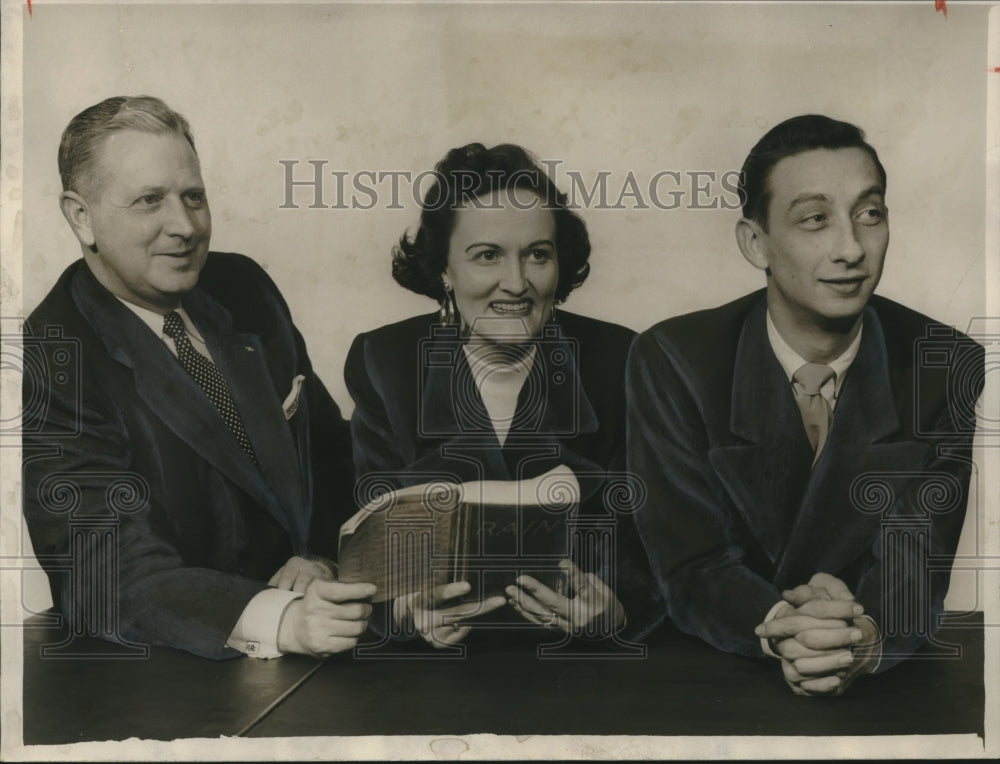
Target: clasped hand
[(815, 633)]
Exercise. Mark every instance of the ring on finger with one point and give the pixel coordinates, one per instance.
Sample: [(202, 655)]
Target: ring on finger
[(547, 617)]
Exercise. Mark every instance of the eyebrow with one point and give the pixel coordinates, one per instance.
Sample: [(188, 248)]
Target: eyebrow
[(143, 190), (803, 198), (481, 244), (497, 246), (870, 191), (126, 197)]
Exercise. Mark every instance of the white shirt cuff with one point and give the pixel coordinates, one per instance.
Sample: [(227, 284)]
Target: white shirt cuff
[(765, 643), (878, 642), (256, 633)]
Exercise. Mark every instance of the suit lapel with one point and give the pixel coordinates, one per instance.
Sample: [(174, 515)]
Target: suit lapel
[(171, 393), (553, 409), (240, 357), (831, 525), (451, 407), (766, 475), (552, 405), (553, 399)]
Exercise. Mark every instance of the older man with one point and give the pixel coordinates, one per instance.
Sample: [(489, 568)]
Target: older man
[(184, 475), (807, 465)]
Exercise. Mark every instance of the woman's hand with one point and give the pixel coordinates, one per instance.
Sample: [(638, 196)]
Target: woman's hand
[(438, 625), (593, 611)]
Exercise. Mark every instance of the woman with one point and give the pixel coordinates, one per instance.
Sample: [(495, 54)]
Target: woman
[(498, 384)]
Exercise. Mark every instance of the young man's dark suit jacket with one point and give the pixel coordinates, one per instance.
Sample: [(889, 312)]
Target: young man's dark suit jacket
[(733, 512), (419, 416), (204, 528)]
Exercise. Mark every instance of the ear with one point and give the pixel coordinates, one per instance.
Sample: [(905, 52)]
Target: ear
[(77, 213), (753, 244)]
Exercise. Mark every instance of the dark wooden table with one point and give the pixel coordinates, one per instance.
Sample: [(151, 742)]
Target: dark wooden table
[(683, 687), (170, 694), (500, 685)]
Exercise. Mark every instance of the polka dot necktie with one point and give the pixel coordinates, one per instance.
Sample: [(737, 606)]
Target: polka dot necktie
[(816, 411), (208, 377)]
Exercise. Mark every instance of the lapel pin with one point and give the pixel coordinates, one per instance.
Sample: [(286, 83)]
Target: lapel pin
[(248, 348)]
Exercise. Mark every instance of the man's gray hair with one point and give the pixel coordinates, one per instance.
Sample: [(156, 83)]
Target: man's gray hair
[(83, 135)]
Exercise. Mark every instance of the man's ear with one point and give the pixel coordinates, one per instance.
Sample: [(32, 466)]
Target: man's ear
[(750, 237), (77, 213)]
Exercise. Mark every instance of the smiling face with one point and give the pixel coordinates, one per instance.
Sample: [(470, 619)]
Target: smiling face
[(826, 240), (503, 266), (147, 214)]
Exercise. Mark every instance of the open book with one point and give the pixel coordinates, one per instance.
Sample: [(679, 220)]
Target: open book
[(485, 532)]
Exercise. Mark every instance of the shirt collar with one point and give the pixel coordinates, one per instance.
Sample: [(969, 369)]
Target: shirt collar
[(154, 320), (791, 361)]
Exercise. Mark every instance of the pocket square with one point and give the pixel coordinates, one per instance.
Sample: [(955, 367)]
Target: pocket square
[(291, 404)]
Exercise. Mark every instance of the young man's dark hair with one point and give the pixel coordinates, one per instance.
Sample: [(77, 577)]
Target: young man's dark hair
[(793, 136)]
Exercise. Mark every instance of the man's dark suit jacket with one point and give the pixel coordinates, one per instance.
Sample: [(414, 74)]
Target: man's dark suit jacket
[(121, 437), (733, 512), (419, 416)]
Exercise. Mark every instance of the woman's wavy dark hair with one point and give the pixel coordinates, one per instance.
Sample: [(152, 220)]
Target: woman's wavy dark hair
[(464, 175)]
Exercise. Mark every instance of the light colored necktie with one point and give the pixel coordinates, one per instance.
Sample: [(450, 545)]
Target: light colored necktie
[(208, 377), (816, 411)]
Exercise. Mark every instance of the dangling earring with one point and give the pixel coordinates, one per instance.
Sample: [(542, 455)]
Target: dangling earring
[(447, 313)]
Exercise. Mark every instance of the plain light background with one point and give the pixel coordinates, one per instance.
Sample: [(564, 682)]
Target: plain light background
[(621, 88)]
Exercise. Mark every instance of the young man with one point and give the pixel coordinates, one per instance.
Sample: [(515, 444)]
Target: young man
[(792, 441), (182, 462)]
